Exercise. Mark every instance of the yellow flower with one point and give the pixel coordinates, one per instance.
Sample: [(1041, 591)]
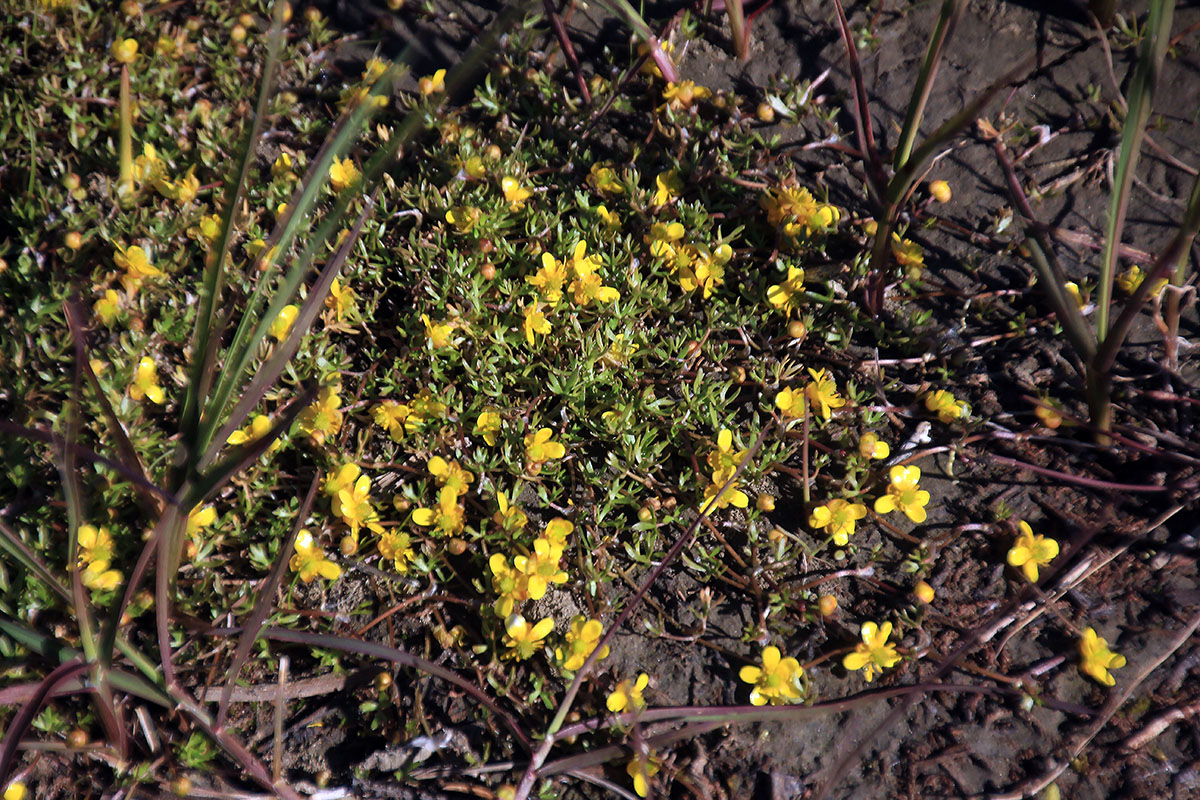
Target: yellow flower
[(207, 229), (341, 478), (540, 447), (603, 179), (523, 639), (946, 406), (908, 255), (472, 167), (724, 457), (96, 552), (107, 306), (1077, 295), (642, 769), (681, 95), (541, 568), (610, 219), (282, 167), (137, 267), (703, 268), (796, 213), (1096, 659), (838, 516), (258, 427), (873, 652), (514, 192), (432, 84), (786, 296), (904, 493), (145, 382), (353, 505), (487, 425), (790, 402), (125, 50), (510, 517), (511, 586), (310, 561), (581, 640), (589, 287), (464, 217), (340, 300), (282, 324), (550, 279), (581, 263), (324, 417), (17, 789), (628, 695), (535, 322), (148, 167), (667, 187), (200, 518), (940, 191), (397, 548), (1131, 280), (426, 407), (557, 530), (1031, 551), (446, 518), (396, 417), (450, 474), (733, 496), (661, 239), (438, 334), (822, 392), (343, 174), (870, 446), (182, 191), (776, 681)]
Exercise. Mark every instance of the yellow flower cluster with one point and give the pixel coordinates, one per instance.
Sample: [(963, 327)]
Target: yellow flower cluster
[(528, 577), (447, 517), (822, 393), (797, 214), (350, 499), (697, 266)]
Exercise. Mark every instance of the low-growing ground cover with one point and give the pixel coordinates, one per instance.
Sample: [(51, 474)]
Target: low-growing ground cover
[(607, 460)]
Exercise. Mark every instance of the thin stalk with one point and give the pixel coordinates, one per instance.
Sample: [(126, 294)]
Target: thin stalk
[(125, 139), (1140, 100), (737, 29), (951, 11)]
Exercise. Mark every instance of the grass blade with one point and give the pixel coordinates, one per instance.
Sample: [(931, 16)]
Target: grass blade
[(1140, 101), (206, 335), (947, 19)]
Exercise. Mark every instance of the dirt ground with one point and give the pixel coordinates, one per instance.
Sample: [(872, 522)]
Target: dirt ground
[(1139, 586)]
